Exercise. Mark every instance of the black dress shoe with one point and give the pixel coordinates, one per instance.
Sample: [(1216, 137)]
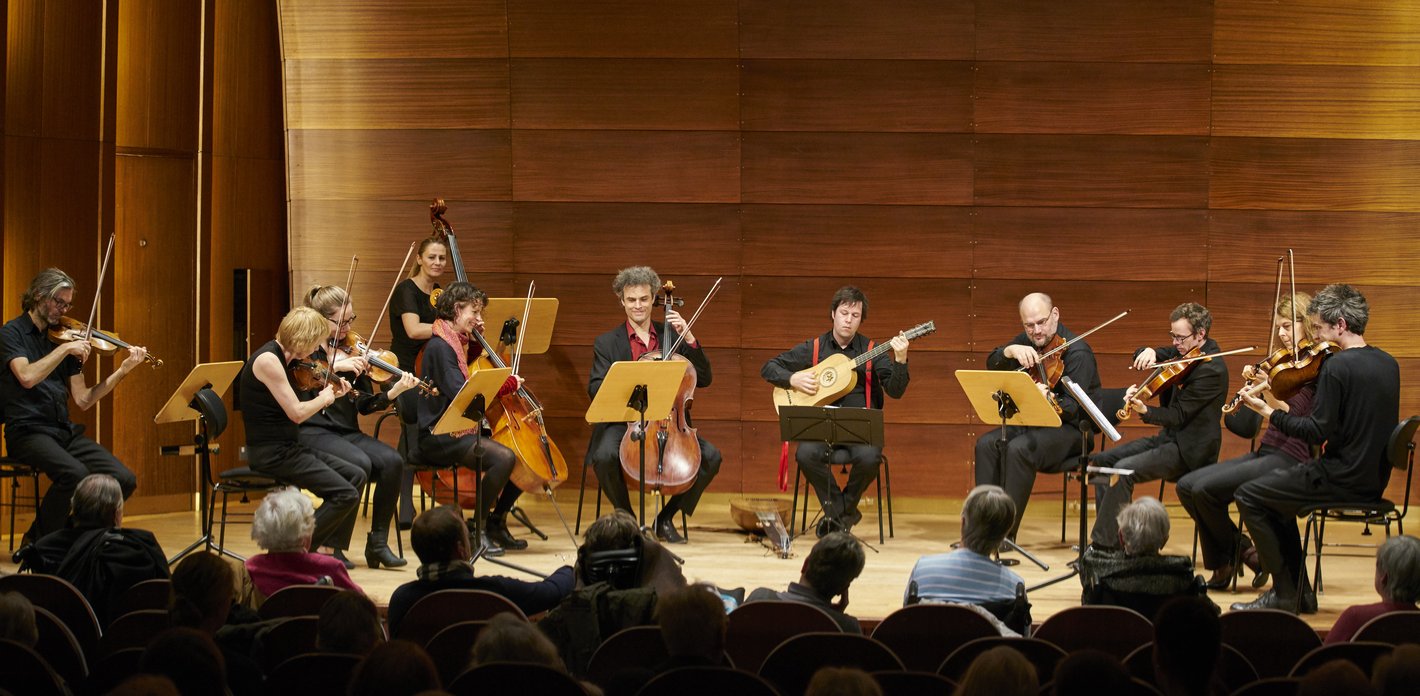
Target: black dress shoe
[(498, 532), (1250, 559), (666, 531), (827, 525), (339, 555), (490, 548), (1268, 600), (1308, 604), (1222, 578)]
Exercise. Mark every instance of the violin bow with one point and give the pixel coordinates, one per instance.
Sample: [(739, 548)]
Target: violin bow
[(1291, 268), (330, 355), (681, 337), (1272, 334), (98, 289), (1078, 337), (399, 275), (1209, 356), (522, 331)]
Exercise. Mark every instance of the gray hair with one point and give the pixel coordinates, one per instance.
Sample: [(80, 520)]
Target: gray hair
[(96, 501), (987, 517), (283, 521), (1340, 301), (1143, 527), (633, 276), (1399, 558), (45, 286)]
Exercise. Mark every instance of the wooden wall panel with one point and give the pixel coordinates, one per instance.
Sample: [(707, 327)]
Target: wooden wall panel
[(1084, 98), (246, 78), (1392, 309), (159, 75), (1302, 101), (1305, 174), (797, 308), (857, 95), (1092, 171), (380, 232), (904, 29), (641, 166), (1116, 31), (625, 94), (631, 29), (24, 75), (587, 308), (1360, 247), (1344, 32), (407, 29), (592, 238), (1076, 244), (996, 318), (891, 168), (848, 241), (72, 54), (400, 164), (397, 93)]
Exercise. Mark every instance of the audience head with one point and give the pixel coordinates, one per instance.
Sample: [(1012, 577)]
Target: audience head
[(1187, 641), (284, 520), (1398, 569), (349, 623), (189, 658), (440, 535), (693, 622), (842, 681), (201, 592), (1143, 527), (145, 685), (614, 531), (1000, 671), (1397, 673), (511, 638), (1336, 677), (833, 564), (97, 502), (17, 619), (396, 668), (986, 519), (1088, 672)]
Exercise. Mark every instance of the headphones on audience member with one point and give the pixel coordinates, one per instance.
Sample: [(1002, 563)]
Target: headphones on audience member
[(619, 567)]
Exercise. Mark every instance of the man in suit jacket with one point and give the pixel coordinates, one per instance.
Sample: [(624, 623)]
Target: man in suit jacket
[(635, 288)]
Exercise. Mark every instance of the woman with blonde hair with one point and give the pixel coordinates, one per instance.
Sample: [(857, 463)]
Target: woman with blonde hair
[(411, 326)]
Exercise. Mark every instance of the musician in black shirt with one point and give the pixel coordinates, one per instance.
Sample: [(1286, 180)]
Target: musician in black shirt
[(411, 324)]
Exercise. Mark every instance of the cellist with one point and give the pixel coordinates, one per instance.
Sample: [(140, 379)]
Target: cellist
[(635, 288)]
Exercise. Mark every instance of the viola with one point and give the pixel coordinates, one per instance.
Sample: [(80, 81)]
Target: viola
[(1288, 378), (383, 365), (672, 445), (1255, 375), (1165, 375), (69, 329)]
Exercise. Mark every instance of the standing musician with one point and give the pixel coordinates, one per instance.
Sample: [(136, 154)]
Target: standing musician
[(1357, 405), (337, 430), (790, 370), (1188, 412), (273, 414), (635, 288), (411, 324), (1207, 492), (34, 400), (1031, 449), (458, 313)]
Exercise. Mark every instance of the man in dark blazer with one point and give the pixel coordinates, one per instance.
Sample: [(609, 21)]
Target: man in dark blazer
[(1189, 413), (636, 288)]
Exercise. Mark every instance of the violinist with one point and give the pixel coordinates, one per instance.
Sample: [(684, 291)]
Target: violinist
[(1032, 449), (458, 314), (1207, 492), (1357, 405), (635, 288), (1188, 413), (336, 429), (411, 325), (790, 369), (273, 413)]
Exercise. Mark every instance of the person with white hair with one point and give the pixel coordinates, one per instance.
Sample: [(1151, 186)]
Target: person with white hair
[(282, 526), (1397, 582), (1137, 576)]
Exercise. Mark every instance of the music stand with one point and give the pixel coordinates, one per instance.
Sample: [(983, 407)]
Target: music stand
[(199, 398), (831, 425), (1012, 398), (537, 330), (637, 391)]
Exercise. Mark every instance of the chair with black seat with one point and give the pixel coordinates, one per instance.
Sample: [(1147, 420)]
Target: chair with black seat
[(133, 630), (791, 666), (1042, 655), (24, 671), (1400, 456), (1271, 686), (515, 677), (1395, 628), (909, 682), (707, 680), (237, 480), (1271, 639), (110, 670), (839, 457), (1363, 654), (755, 629), (1116, 631), (312, 673), (1234, 670), (630, 648), (288, 637), (149, 594), (449, 648), (442, 609), (923, 635), (64, 600), (16, 470), (297, 600), (60, 648)]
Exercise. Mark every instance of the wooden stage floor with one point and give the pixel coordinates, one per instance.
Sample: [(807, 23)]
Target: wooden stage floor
[(723, 555)]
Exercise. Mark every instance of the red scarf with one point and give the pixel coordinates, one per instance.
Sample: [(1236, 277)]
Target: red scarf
[(459, 342)]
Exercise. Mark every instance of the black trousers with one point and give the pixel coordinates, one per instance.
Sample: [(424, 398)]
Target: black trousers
[(66, 458), (381, 463), (606, 460), (335, 481), (1150, 460), (815, 459), (1207, 493), (1028, 451), (479, 454)]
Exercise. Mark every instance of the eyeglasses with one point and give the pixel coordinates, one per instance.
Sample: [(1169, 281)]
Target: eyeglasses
[(343, 324), (1180, 339), (61, 305)]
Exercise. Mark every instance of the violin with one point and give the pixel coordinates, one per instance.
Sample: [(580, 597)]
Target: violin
[(1287, 378), (1257, 375), (313, 374), (69, 329), (1050, 369), (1165, 375), (383, 365), (672, 445)]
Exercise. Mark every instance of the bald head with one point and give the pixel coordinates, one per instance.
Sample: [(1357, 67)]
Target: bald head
[(1040, 318)]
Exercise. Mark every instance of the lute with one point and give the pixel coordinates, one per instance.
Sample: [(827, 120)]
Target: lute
[(838, 374)]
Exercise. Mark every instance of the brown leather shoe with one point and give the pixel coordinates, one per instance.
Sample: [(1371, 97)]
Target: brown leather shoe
[(1222, 578)]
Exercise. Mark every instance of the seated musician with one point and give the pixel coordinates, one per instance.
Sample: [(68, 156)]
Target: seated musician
[(35, 387), (791, 370), (1207, 492), (1032, 449), (635, 288), (1188, 416), (446, 361), (273, 413), (337, 429)]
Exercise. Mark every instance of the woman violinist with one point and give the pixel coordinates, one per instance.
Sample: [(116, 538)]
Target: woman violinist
[(1207, 492), (411, 324), (336, 429), (458, 313)]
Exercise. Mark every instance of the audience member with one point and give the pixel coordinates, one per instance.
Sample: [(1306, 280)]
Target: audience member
[(282, 526), (1090, 672), (968, 575), (508, 638), (1397, 674), (440, 539), (619, 532), (17, 619), (189, 658), (349, 623), (396, 668), (1188, 639), (1397, 582), (832, 566), (145, 685), (693, 623), (842, 681), (1136, 576), (200, 598), (1337, 677), (1000, 671)]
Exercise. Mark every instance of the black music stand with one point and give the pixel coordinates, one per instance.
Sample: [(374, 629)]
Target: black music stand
[(637, 392), (830, 425), (199, 398)]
